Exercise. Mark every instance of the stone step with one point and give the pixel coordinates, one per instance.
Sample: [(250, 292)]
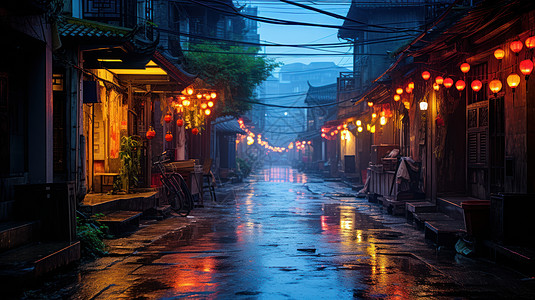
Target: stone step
[(421, 218), (443, 232), (451, 206), (412, 208), (16, 233), (120, 222), (37, 259)]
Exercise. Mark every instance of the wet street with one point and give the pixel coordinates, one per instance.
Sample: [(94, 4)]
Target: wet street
[(282, 234)]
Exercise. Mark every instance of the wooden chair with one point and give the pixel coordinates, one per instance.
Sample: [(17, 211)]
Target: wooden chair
[(207, 178)]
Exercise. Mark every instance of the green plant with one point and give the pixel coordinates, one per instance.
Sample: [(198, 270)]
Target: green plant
[(130, 155), (243, 166), (91, 234)]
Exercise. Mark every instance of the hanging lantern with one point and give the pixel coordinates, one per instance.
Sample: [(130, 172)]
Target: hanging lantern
[(448, 82), (199, 96), (168, 136), (195, 131), (359, 123), (359, 129), (204, 105), (411, 85), (526, 67), (399, 91), (439, 80), (513, 80), (516, 46), (495, 86), (423, 105), (186, 102), (179, 122), (370, 104), (436, 87), (530, 42), (407, 104), (397, 97), (150, 133), (382, 121), (426, 75), (213, 95), (207, 112), (408, 90), (374, 115), (210, 103), (499, 53), (189, 91), (465, 67), (168, 118), (322, 135), (476, 85), (460, 85)]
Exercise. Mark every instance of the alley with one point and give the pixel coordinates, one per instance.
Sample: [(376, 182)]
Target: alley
[(284, 235)]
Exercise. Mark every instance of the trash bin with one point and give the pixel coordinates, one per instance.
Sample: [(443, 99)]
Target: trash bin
[(476, 217)]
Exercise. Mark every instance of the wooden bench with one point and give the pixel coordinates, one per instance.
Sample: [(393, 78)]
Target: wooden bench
[(121, 221)]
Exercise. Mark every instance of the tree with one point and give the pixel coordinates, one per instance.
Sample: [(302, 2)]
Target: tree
[(233, 71)]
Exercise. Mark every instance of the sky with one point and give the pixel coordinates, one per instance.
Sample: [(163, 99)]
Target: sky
[(291, 34)]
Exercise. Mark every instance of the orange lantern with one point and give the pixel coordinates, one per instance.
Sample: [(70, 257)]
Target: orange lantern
[(210, 103), (426, 75), (207, 112), (370, 104), (167, 118), (513, 80), (495, 86), (150, 133), (530, 42), (408, 90), (411, 85), (448, 82), (179, 122), (465, 67), (399, 91), (213, 95), (204, 105), (499, 53), (168, 136), (460, 85), (526, 67), (397, 97), (439, 80), (516, 46), (476, 85), (195, 131), (436, 86)]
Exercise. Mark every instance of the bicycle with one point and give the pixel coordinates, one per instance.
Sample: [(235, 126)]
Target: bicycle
[(178, 194)]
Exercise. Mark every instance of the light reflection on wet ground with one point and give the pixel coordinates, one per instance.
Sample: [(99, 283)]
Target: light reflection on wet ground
[(285, 236)]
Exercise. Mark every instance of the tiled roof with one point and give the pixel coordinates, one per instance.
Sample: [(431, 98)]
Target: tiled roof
[(78, 28)]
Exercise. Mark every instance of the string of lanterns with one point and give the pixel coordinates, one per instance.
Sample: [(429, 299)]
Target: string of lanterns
[(251, 139)]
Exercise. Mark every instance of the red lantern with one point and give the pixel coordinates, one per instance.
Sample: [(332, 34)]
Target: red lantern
[(179, 122), (439, 80), (476, 85), (526, 67), (168, 136), (499, 53), (516, 46), (426, 75), (465, 67), (195, 131), (495, 86), (460, 85), (513, 80), (167, 118), (448, 82), (150, 133), (439, 121), (530, 42)]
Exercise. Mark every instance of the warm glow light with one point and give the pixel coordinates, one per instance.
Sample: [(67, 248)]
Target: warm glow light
[(423, 105), (382, 121), (495, 86), (370, 104), (499, 53), (213, 95), (530, 42), (322, 135), (426, 75), (359, 122), (465, 67), (368, 127), (411, 85), (168, 137), (397, 97), (207, 112), (476, 85), (399, 91), (372, 130), (513, 80), (460, 85), (407, 104), (374, 115), (189, 91), (204, 105), (186, 102), (516, 46), (408, 90), (526, 67), (439, 80), (199, 96), (448, 82), (359, 129), (210, 103), (436, 86)]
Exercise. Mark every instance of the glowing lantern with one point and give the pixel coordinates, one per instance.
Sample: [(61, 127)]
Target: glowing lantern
[(495, 86), (516, 46), (167, 118), (199, 96), (370, 104), (332, 133), (372, 129), (407, 105), (168, 136), (179, 122), (150, 133), (530, 42), (397, 97), (499, 53), (423, 105), (399, 91), (526, 67), (210, 103), (207, 112), (426, 75), (368, 127), (460, 85), (195, 131), (189, 91), (411, 85), (213, 95), (513, 80), (204, 105), (408, 90), (476, 85), (359, 129), (374, 115), (359, 122), (322, 135), (186, 102), (339, 127), (465, 67), (436, 87), (439, 80), (448, 82), (382, 121)]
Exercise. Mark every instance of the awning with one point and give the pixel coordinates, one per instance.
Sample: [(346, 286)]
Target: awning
[(227, 125)]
